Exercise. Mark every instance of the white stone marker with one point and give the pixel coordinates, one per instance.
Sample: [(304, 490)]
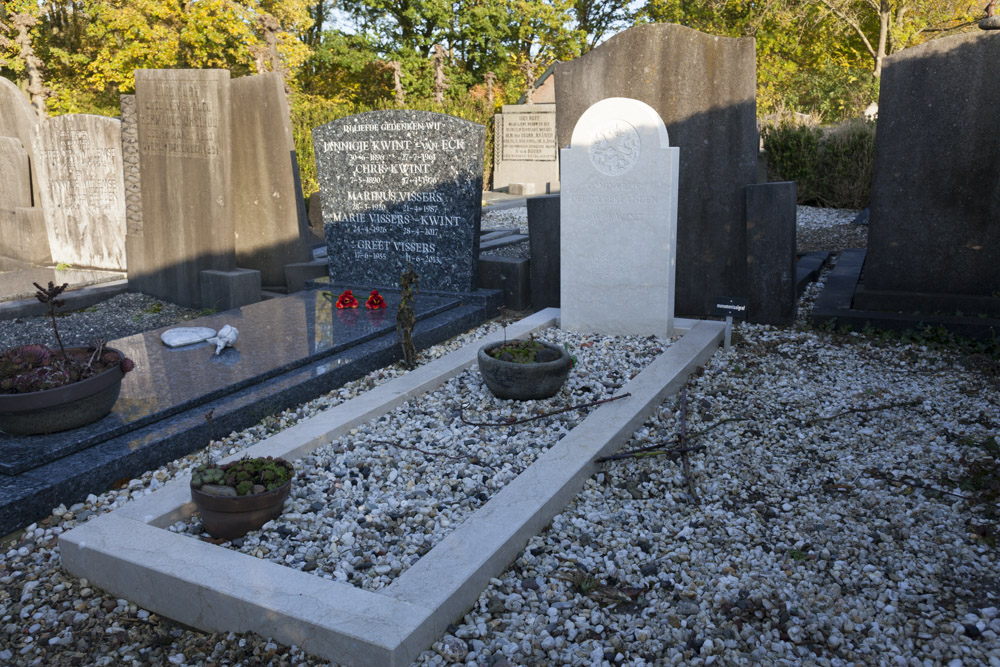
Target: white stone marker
[(618, 212)]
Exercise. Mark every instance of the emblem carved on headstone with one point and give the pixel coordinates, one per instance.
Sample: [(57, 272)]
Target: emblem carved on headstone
[(616, 148)]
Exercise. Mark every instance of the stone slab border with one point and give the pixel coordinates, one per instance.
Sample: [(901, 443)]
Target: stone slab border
[(834, 305), (128, 553)]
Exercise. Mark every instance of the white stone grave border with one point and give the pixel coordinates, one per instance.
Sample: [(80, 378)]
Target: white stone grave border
[(129, 553)]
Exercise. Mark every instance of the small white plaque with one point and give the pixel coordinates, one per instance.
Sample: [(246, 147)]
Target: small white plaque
[(180, 336)]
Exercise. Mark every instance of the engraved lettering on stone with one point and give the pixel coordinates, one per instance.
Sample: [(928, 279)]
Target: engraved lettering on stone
[(178, 120), (615, 148), (529, 137)]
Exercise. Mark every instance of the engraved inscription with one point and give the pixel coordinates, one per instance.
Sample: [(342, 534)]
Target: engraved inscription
[(615, 148), (615, 193), (81, 173), (180, 119), (398, 194), (529, 137)]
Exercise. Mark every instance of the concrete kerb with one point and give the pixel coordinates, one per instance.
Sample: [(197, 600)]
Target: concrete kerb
[(128, 553)]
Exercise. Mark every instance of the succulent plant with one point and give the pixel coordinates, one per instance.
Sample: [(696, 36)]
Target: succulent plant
[(29, 368), (520, 351), (244, 474)]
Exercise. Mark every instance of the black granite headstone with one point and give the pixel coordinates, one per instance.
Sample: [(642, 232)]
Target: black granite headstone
[(401, 187), (935, 206), (771, 252), (543, 240)]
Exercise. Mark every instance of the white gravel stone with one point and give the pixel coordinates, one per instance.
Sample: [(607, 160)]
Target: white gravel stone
[(828, 529)]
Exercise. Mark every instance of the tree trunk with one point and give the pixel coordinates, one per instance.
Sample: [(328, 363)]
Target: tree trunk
[(32, 63), (884, 18)]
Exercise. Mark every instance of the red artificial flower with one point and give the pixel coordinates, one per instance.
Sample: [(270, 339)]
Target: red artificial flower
[(347, 300), (375, 301)]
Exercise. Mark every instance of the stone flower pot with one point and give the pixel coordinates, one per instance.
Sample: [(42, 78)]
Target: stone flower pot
[(229, 517), (529, 380), (225, 513), (62, 408)]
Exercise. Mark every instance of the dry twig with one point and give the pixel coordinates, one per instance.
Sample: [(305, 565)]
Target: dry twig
[(874, 408), (514, 422)]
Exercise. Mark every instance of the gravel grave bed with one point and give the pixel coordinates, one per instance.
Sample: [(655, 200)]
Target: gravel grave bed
[(367, 506), (867, 538), (835, 523)]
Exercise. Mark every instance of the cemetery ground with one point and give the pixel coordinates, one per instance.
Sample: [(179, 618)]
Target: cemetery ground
[(841, 508)]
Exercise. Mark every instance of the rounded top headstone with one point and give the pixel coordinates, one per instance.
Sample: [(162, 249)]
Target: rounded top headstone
[(615, 143)]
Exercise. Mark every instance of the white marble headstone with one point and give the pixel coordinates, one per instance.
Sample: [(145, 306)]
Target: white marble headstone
[(619, 222)]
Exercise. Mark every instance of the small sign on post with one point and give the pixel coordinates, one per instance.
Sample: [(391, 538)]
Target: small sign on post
[(730, 307)]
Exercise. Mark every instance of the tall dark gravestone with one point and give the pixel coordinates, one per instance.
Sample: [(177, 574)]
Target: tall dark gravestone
[(703, 87), (269, 212), (935, 206), (401, 187), (184, 156)]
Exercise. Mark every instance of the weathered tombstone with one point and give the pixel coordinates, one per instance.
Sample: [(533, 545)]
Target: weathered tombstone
[(15, 174), (269, 213), (23, 236), (704, 88), (78, 159), (401, 187), (935, 205), (187, 209), (619, 222), (17, 119), (524, 147)]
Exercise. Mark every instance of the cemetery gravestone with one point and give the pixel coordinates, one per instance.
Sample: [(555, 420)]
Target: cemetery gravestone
[(23, 235), (269, 214), (18, 120), (15, 182), (619, 222), (704, 89), (524, 147), (401, 187), (935, 205), (79, 167), (184, 155), (771, 253)]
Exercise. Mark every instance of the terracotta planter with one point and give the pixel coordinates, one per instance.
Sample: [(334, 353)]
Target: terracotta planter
[(522, 382), (229, 517), (63, 408)]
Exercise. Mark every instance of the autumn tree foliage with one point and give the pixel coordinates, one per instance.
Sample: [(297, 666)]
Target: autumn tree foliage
[(814, 56)]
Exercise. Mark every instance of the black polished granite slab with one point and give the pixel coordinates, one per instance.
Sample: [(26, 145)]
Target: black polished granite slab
[(275, 337), (32, 494)]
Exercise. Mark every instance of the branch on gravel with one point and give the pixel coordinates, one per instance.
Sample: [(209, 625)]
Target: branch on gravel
[(685, 456), (912, 481), (661, 448), (514, 422), (652, 450), (423, 451), (874, 408)]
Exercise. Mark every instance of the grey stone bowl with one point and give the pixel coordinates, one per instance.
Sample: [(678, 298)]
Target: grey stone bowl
[(62, 408), (522, 382)]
